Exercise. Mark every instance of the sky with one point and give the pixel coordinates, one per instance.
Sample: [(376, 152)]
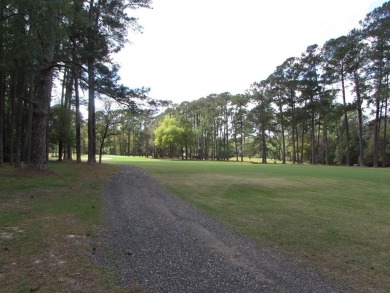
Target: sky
[(190, 49)]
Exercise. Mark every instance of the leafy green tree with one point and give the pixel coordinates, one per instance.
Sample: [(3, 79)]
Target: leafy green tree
[(168, 135), (107, 119)]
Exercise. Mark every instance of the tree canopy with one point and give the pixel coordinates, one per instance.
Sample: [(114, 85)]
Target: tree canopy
[(327, 106)]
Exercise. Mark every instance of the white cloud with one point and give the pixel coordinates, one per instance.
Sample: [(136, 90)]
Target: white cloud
[(190, 49)]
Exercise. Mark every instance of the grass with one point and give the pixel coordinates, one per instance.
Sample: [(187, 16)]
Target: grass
[(335, 219), (49, 222)]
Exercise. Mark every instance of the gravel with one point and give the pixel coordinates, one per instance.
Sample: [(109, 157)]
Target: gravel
[(155, 240)]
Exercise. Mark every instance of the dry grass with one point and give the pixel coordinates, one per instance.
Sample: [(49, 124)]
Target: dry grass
[(49, 224)]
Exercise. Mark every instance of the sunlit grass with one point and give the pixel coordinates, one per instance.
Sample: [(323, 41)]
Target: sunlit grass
[(335, 219)]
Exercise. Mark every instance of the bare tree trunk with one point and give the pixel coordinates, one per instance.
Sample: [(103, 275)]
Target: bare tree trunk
[(2, 89), (283, 137), (67, 116), (348, 161), (326, 146), (18, 132), (41, 111), (303, 141), (2, 100), (384, 143), (43, 95), (360, 118), (312, 131), (376, 131), (78, 119), (61, 119), (91, 114), (27, 142), (293, 126), (242, 140), (263, 146), (235, 144)]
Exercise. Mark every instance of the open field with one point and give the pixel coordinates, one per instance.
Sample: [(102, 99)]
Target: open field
[(48, 224), (335, 219)]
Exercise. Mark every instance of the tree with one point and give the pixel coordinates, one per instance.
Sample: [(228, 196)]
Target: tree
[(262, 114), (239, 103), (376, 29), (48, 19), (168, 135), (310, 61), (356, 62), (335, 53), (106, 121), (105, 34)]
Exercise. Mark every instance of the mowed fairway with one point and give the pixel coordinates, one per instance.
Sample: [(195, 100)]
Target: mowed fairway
[(335, 219)]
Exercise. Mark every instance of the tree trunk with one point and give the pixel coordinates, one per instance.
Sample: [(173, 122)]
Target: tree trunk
[(263, 146), (27, 143), (2, 102), (348, 162), (78, 119), (91, 113), (384, 142), (326, 146), (294, 150), (312, 131), (235, 144), (376, 131), (18, 132), (43, 93), (303, 142), (242, 139), (283, 137), (11, 128), (41, 110), (67, 117), (2, 88), (360, 118), (61, 119)]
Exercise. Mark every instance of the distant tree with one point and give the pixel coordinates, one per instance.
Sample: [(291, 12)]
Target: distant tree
[(376, 29), (106, 120), (356, 62), (239, 117), (262, 115), (335, 53), (168, 135), (310, 61)]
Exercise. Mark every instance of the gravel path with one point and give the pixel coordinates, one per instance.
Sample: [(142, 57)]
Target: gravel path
[(156, 240)]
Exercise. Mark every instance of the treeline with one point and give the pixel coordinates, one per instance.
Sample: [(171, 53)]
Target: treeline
[(328, 106), (62, 45)]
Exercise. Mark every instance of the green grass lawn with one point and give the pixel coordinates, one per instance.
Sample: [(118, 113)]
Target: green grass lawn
[(335, 219), (48, 224)]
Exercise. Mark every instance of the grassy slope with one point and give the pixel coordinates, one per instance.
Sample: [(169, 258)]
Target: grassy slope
[(335, 219)]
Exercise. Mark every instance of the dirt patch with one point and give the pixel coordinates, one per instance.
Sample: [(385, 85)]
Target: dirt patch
[(29, 171)]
